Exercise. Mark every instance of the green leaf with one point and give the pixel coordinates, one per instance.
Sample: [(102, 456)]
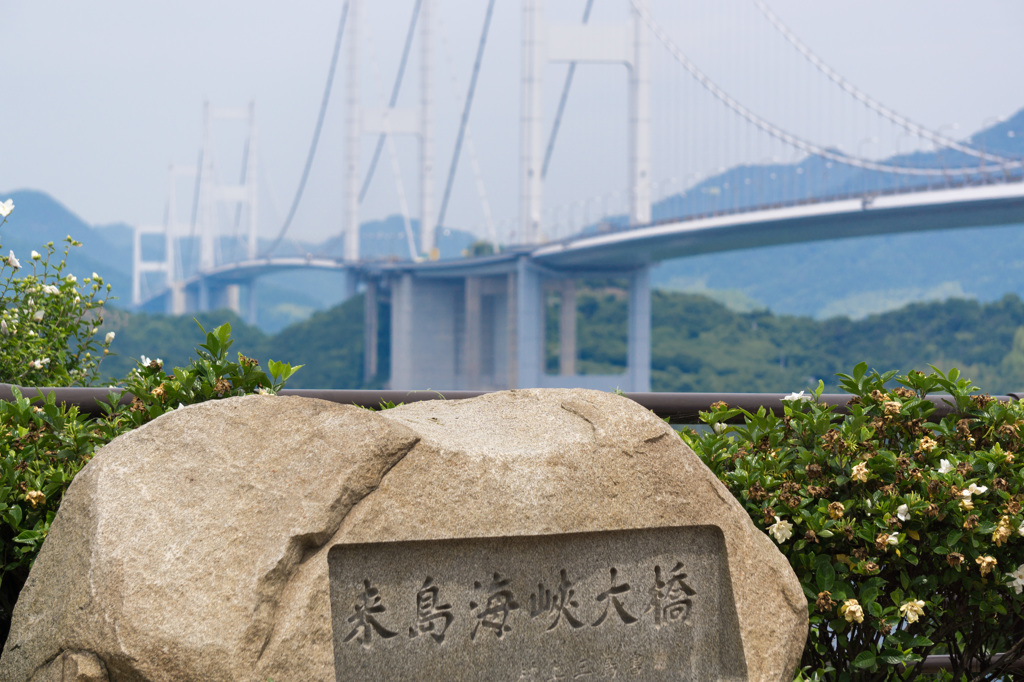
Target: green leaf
[(866, 659), (826, 575)]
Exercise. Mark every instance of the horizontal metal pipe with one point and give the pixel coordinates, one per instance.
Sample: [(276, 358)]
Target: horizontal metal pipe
[(678, 408)]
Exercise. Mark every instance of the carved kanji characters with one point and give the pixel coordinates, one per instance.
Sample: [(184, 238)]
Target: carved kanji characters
[(542, 602), (367, 607), (431, 618), (611, 599), (670, 597), (494, 611)]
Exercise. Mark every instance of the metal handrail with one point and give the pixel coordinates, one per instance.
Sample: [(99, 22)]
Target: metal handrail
[(678, 408)]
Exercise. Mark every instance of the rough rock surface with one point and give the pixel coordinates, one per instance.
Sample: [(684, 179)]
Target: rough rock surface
[(196, 547), (173, 546)]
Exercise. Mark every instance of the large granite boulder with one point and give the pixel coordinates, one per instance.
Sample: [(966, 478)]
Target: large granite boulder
[(195, 548)]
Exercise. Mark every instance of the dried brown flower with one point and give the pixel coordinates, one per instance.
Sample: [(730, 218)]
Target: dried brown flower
[(222, 386), (813, 471), (904, 392), (871, 567), (825, 602), (835, 510), (981, 401), (860, 554), (1000, 484), (811, 536), (35, 498), (954, 559), (971, 522), (756, 492)]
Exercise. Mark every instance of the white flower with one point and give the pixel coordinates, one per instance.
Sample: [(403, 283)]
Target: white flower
[(109, 338), (1018, 579), (50, 289), (973, 489), (13, 262), (797, 397), (860, 472), (160, 362), (145, 360), (903, 512), (944, 466), (262, 391), (6, 207), (38, 315), (95, 276), (893, 539), (781, 530), (912, 610), (35, 255), (851, 610), (71, 278), (718, 427), (5, 331)]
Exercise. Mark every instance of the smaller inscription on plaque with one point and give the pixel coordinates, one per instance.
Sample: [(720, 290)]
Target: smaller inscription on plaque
[(653, 603)]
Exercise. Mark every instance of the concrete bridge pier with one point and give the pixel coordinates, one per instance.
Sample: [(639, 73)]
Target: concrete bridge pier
[(485, 329)]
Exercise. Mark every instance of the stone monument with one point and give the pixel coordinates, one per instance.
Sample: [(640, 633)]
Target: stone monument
[(546, 532)]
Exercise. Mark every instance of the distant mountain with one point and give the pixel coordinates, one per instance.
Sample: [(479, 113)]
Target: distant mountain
[(853, 277)]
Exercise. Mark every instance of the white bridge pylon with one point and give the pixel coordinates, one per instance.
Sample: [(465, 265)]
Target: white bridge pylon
[(361, 120), (627, 43), (202, 225)]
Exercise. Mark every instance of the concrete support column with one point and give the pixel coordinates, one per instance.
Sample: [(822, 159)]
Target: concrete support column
[(204, 296), (529, 325), (232, 299), (370, 329), (640, 120), (472, 334), (251, 315), (567, 329), (177, 303), (638, 351), (402, 332)]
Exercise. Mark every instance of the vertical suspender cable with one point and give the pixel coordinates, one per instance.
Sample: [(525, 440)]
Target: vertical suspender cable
[(465, 113), (316, 135)]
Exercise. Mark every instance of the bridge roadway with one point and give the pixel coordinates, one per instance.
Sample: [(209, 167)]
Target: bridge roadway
[(479, 323)]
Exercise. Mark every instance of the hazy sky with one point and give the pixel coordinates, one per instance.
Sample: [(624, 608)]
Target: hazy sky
[(100, 97)]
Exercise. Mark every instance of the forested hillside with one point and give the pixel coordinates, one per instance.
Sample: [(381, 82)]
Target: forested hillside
[(697, 344)]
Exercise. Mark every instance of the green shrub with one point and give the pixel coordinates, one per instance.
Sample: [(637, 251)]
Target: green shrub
[(905, 532), (49, 332)]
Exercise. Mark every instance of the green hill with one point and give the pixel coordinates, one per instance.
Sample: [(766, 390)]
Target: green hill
[(697, 343)]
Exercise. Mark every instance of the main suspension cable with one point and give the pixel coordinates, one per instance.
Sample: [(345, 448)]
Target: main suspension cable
[(316, 135), (864, 98), (791, 139), (394, 97), (465, 113), (561, 102)]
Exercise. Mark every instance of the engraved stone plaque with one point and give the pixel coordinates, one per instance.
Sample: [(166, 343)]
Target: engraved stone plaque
[(646, 604)]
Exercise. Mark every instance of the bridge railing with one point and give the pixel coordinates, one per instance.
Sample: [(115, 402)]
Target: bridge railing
[(949, 183), (677, 408)]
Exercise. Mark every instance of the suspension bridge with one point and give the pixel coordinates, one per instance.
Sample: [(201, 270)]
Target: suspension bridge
[(478, 323)]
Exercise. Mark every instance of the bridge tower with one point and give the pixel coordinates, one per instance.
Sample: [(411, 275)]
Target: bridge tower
[(627, 43), (210, 196), (362, 120)]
